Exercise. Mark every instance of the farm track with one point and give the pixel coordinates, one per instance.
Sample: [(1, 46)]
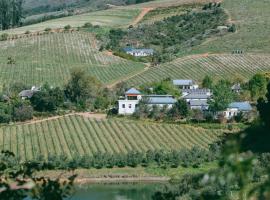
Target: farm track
[(141, 15)]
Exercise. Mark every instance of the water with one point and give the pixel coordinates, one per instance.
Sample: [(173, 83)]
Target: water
[(130, 191)]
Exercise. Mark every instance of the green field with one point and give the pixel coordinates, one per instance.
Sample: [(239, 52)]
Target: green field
[(196, 67), (76, 135), (48, 58)]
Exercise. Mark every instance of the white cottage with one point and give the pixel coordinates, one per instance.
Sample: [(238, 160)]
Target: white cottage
[(237, 107), (139, 52)]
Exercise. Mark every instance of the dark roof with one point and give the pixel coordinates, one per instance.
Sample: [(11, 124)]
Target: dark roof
[(183, 82), (196, 96), (196, 91), (198, 103), (242, 106), (26, 93), (133, 91)]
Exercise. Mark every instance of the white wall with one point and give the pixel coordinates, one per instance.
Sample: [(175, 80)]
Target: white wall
[(128, 108), (230, 113)]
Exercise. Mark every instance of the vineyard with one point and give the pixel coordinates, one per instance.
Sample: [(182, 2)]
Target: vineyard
[(196, 67), (48, 58), (76, 135)]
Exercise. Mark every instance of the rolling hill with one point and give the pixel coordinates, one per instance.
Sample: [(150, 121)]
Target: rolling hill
[(49, 57)]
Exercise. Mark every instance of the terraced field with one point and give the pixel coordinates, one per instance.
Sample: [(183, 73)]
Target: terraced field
[(48, 58), (75, 134), (196, 67)]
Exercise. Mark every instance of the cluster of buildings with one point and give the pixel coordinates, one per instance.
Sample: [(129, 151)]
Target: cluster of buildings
[(139, 52), (197, 98)]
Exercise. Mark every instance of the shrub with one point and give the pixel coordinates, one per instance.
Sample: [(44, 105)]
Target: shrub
[(4, 37), (67, 27), (47, 29), (23, 113)]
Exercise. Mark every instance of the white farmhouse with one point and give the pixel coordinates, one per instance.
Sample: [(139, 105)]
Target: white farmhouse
[(27, 94), (128, 104), (185, 84), (237, 107), (139, 52)]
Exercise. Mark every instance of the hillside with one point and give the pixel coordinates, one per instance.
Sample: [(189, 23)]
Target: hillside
[(74, 135), (252, 22), (218, 66), (48, 58)]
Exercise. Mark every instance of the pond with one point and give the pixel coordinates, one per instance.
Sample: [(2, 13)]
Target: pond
[(126, 191)]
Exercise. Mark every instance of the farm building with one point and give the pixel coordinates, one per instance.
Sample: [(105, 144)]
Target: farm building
[(185, 84), (236, 88), (139, 52), (237, 107), (199, 105), (27, 94), (128, 104)]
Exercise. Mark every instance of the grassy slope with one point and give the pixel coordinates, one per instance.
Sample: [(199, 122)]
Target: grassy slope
[(252, 20), (196, 67), (117, 17), (48, 58), (76, 135)]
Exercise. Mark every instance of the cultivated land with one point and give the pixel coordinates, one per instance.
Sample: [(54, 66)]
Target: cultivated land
[(252, 21), (196, 67), (49, 57), (76, 135)]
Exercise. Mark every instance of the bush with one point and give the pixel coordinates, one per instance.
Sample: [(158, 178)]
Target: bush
[(47, 29), (4, 37), (23, 113), (67, 27), (5, 118), (87, 25)]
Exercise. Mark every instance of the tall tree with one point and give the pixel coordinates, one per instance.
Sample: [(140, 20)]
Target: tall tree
[(10, 13), (258, 86), (207, 82), (222, 96)]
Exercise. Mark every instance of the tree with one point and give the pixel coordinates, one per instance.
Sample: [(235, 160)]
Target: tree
[(48, 99), (263, 107), (207, 82), (179, 110), (222, 96), (257, 86), (18, 181), (10, 13), (22, 111), (82, 87)]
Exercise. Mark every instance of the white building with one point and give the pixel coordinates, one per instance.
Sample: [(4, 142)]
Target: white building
[(128, 104), (237, 107), (27, 94), (199, 105), (139, 52), (185, 84)]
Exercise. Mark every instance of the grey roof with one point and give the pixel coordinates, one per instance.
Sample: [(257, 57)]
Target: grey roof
[(26, 93), (196, 96), (197, 91), (161, 100), (242, 106), (198, 103), (133, 91), (183, 82)]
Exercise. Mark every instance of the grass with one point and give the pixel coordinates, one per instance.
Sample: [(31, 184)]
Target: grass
[(117, 17), (127, 172), (48, 58), (75, 135), (196, 67), (252, 21)]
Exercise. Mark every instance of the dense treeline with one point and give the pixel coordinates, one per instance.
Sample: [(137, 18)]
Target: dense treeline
[(166, 159), (10, 13)]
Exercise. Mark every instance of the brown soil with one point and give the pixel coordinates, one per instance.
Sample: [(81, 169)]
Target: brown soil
[(141, 15)]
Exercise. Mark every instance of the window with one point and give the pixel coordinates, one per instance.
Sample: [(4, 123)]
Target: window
[(123, 106), (130, 106)]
